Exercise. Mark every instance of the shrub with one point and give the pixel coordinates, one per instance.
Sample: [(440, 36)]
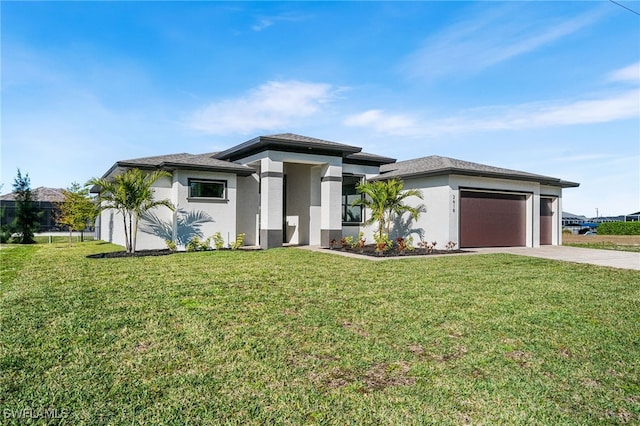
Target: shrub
[(193, 244), (196, 245), (383, 242), (405, 244), (218, 241), (619, 228), (346, 242), (427, 246), (239, 242), (171, 245)]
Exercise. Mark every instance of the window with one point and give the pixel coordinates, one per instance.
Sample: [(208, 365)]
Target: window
[(351, 214), (208, 189)]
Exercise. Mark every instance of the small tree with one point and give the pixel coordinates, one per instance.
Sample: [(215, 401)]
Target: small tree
[(385, 200), (77, 210), (130, 194), (395, 205), (28, 214)]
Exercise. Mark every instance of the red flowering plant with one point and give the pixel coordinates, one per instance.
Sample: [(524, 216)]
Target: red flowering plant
[(404, 244), (383, 243)]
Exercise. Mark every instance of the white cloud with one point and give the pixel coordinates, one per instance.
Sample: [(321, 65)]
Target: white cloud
[(581, 158), (619, 106), (489, 38), (630, 73), (262, 24), (381, 122), (271, 106), (268, 21)]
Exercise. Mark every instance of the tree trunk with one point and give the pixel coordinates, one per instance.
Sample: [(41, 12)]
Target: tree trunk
[(130, 232), (70, 240), (135, 235), (126, 235), (388, 225)]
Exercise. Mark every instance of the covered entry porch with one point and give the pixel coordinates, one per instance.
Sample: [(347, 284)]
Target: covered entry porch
[(299, 199), (296, 194)]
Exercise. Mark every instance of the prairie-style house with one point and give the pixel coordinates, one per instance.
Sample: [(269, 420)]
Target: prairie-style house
[(292, 189)]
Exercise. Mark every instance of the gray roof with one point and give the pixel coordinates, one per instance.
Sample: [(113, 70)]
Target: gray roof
[(572, 216), (183, 160), (309, 141), (435, 165), (288, 142), (366, 157), (53, 195)]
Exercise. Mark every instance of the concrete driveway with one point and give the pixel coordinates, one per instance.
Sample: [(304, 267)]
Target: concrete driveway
[(612, 258)]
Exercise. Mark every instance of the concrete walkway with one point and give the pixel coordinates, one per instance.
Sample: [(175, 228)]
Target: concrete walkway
[(611, 258)]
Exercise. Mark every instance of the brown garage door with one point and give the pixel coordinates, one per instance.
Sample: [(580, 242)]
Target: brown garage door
[(492, 220), (546, 221)]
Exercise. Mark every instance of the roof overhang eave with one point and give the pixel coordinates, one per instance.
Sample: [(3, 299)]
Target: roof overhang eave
[(449, 171), (171, 166), (232, 168), (263, 143)]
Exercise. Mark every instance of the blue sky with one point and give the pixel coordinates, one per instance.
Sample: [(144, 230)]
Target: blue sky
[(545, 87)]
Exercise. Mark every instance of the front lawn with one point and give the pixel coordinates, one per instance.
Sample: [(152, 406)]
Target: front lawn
[(603, 242), (288, 336)]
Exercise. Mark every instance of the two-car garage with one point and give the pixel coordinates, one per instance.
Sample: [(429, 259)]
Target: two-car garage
[(499, 219), (477, 205)]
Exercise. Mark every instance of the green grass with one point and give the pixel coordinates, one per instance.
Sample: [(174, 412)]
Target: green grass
[(62, 239), (606, 246), (287, 336)]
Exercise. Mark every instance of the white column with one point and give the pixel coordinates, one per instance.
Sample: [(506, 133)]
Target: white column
[(533, 240), (331, 203), (271, 174), (315, 205)]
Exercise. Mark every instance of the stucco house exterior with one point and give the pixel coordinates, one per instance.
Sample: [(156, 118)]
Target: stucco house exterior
[(292, 189)]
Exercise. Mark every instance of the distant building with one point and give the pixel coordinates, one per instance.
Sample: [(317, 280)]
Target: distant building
[(579, 224), (44, 198), (603, 219), (571, 220), (633, 217)]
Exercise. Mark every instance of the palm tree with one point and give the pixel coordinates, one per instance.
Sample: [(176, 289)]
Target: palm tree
[(375, 198), (130, 194), (385, 200), (395, 201)]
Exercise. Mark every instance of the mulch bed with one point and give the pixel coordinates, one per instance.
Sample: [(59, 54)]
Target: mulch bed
[(140, 253), (370, 250)]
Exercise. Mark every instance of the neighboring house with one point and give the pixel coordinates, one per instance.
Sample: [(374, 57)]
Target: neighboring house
[(603, 219), (632, 217), (295, 189), (573, 222), (44, 198)]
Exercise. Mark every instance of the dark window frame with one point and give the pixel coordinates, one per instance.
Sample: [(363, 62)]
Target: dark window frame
[(347, 205), (222, 182)]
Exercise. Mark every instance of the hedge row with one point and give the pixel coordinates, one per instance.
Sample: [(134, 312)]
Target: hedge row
[(619, 228)]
